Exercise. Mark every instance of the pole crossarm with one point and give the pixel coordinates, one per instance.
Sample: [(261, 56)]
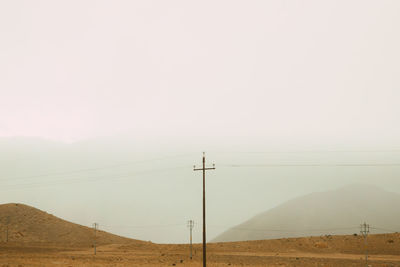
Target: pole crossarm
[(198, 169)]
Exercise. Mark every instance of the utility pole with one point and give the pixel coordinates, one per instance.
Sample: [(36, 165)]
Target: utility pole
[(191, 225), (365, 231), (95, 227), (204, 169), (8, 222)]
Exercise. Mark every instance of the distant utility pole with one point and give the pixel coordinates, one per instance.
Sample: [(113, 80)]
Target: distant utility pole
[(8, 222), (191, 225), (204, 169), (95, 227), (365, 231)]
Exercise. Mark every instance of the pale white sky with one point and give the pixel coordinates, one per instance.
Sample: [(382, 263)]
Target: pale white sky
[(304, 70)]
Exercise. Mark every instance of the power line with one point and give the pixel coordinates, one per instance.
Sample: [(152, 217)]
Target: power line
[(383, 229), (313, 165), (307, 151), (77, 171), (243, 228), (144, 226), (284, 230), (247, 228), (83, 170), (83, 180)]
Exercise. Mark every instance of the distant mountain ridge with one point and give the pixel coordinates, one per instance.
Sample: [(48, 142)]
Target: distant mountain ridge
[(339, 211), (28, 225)]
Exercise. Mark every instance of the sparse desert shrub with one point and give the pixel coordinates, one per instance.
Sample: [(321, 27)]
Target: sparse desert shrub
[(321, 245)]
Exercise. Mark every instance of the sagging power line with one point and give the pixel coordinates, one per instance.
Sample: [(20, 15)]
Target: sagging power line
[(129, 163), (87, 179), (84, 170), (286, 230), (291, 230), (313, 165)]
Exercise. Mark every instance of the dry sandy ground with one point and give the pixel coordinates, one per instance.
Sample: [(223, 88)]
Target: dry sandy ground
[(37, 238), (315, 251)]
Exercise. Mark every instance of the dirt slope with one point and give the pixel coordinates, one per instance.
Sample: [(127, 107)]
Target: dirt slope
[(31, 226)]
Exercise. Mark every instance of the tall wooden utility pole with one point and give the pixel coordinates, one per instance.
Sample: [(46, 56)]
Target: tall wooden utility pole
[(204, 169)]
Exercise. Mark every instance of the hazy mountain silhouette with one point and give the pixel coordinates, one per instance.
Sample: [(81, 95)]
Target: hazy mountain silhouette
[(333, 212)]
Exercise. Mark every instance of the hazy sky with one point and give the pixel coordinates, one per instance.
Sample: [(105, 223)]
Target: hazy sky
[(309, 71), (202, 75)]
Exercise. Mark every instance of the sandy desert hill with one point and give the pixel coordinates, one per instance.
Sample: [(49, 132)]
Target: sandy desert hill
[(31, 226)]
